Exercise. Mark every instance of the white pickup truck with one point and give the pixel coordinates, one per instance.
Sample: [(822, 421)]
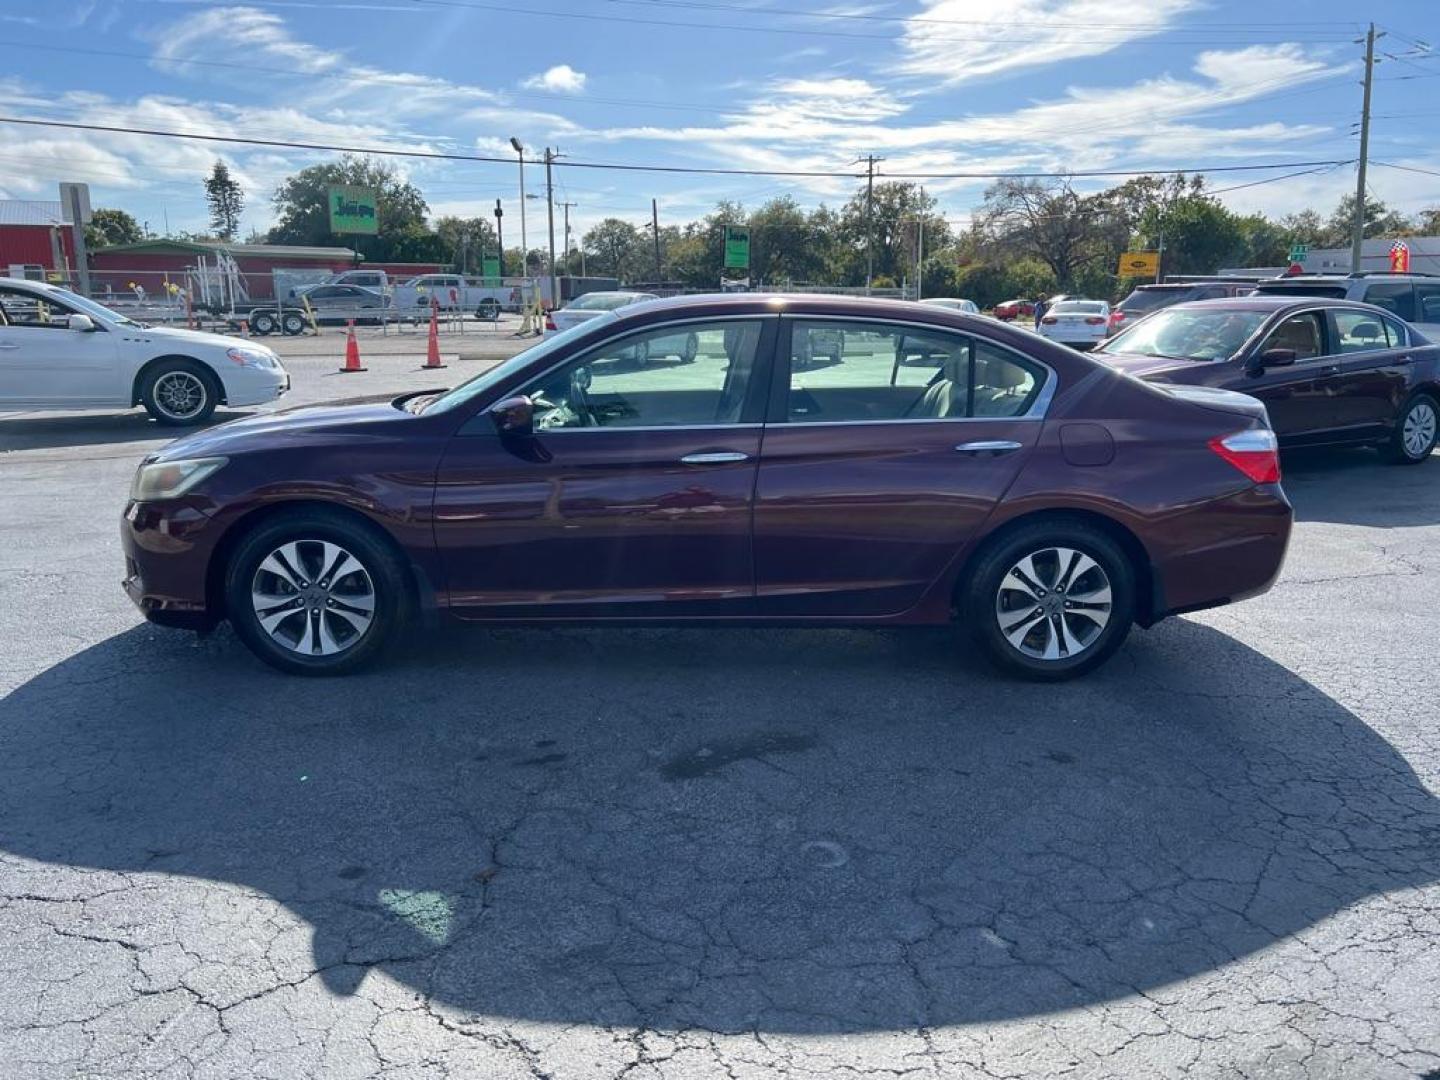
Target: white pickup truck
[(455, 292)]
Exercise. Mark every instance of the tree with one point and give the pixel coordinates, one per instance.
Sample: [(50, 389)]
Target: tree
[(465, 241), (1048, 221), (615, 248), (303, 211), (892, 222), (109, 227), (226, 199), (1380, 220)]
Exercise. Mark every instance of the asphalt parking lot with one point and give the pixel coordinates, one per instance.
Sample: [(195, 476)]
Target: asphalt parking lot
[(577, 853)]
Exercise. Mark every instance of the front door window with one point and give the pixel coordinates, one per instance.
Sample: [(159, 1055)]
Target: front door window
[(688, 375)]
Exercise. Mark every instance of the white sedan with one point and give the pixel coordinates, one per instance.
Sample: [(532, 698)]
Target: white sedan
[(682, 347), (954, 303), (59, 350), (1082, 323)]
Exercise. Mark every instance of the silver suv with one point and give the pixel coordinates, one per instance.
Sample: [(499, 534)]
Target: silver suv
[(1413, 297)]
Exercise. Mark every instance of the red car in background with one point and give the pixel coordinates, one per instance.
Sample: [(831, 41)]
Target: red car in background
[(1014, 309)]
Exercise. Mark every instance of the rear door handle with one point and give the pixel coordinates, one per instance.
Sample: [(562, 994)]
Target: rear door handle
[(988, 446), (719, 457)]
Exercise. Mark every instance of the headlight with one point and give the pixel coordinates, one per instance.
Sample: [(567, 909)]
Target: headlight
[(171, 479), (246, 357)]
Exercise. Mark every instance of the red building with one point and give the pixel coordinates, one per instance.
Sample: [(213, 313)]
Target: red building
[(34, 240)]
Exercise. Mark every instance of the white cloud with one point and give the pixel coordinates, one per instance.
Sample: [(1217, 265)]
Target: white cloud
[(954, 41), (560, 79)]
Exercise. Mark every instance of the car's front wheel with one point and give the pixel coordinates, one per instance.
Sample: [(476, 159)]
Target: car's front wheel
[(1050, 600), (1416, 431), (315, 593), (179, 392)]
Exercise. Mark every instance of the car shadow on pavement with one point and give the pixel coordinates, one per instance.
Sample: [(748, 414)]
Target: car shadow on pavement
[(1356, 486), (806, 831), (50, 431)]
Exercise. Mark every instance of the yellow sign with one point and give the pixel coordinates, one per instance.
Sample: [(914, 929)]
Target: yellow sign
[(1139, 263)]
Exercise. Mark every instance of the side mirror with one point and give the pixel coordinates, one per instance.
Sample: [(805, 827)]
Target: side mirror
[(514, 416), (81, 323), (1271, 358)]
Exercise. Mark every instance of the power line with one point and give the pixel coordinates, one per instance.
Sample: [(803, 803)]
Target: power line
[(1407, 168), (628, 167)]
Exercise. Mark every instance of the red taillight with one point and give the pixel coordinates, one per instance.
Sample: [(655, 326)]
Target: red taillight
[(1095, 320), (1049, 320), (1254, 452)]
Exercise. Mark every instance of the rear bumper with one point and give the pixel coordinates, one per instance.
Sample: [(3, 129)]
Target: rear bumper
[(1242, 543), (167, 551)]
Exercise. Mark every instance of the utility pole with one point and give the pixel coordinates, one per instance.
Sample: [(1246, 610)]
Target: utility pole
[(870, 219), (550, 156), (655, 227), (920, 256), (566, 245), (1357, 235)]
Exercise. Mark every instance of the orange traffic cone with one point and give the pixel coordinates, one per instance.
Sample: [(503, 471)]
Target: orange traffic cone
[(352, 350), (432, 352), (244, 328)]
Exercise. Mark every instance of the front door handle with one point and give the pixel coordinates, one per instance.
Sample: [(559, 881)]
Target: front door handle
[(989, 446), (719, 457)]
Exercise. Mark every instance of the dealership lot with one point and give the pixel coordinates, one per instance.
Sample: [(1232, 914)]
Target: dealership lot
[(591, 853)]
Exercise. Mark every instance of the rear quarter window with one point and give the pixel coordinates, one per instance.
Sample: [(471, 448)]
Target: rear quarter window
[(1396, 297)]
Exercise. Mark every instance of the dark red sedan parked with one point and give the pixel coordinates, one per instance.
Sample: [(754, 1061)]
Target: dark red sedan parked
[(1038, 498), (1330, 372)]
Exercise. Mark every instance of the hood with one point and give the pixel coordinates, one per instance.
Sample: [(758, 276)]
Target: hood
[(198, 337), (357, 418), (1143, 367)]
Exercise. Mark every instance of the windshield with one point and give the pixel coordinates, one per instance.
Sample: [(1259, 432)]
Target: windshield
[(502, 371), (1152, 299), (602, 301), (1188, 334), (89, 307)]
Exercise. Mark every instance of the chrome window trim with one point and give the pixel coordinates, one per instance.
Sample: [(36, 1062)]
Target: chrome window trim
[(647, 427), (1038, 408)]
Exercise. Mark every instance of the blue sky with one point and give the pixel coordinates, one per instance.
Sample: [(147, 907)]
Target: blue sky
[(929, 85)]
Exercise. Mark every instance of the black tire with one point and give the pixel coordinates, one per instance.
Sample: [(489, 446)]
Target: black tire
[(692, 349), (1422, 412), (309, 530), (263, 323), (292, 323), (179, 392), (488, 310), (981, 600)]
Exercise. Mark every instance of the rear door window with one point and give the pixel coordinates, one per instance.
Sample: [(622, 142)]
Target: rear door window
[(1396, 297), (1427, 303), (1360, 331), (846, 372)]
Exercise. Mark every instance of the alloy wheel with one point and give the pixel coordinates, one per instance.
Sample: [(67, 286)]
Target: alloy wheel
[(313, 597), (1417, 433), (1053, 604), (180, 394)]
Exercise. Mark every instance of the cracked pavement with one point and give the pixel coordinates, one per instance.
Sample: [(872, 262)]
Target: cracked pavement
[(645, 854)]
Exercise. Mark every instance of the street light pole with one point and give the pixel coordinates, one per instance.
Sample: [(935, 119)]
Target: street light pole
[(524, 240)]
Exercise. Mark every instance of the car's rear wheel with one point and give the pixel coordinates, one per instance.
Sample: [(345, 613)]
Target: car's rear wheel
[(315, 593), (1416, 431), (179, 392), (1051, 600)]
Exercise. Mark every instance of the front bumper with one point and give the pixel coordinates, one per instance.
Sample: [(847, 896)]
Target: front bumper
[(255, 386), (167, 549)]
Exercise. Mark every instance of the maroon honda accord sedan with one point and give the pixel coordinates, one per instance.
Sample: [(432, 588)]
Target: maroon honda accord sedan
[(1038, 498)]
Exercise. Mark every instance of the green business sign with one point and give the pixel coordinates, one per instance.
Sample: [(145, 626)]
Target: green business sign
[(1298, 252), (490, 269), (737, 247), (354, 210)]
